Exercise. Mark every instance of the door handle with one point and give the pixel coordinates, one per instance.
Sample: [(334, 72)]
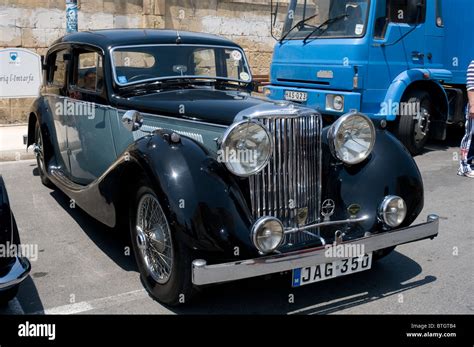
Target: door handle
[(415, 55)]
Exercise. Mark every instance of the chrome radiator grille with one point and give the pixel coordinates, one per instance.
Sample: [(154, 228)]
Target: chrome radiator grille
[(289, 187)]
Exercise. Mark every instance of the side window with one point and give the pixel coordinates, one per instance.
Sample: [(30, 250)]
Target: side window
[(407, 11), (398, 11), (204, 61), (89, 73), (57, 71)]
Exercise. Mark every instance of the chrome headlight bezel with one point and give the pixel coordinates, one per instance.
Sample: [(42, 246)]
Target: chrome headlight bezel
[(336, 129), (384, 212), (258, 228), (223, 145)]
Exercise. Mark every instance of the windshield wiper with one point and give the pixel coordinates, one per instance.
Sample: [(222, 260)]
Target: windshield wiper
[(170, 82), (327, 23), (141, 87), (297, 25)]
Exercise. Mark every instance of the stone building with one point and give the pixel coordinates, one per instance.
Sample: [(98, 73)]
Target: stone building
[(35, 24)]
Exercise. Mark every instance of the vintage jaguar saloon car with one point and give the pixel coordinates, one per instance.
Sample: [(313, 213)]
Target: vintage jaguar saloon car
[(158, 131), (14, 268)]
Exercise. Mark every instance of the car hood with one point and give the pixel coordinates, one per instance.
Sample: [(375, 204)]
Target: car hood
[(207, 105)]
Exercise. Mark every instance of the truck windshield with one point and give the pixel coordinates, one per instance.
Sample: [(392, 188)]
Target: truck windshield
[(325, 19), (138, 64)]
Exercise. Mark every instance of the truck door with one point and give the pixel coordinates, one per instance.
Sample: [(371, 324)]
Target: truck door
[(398, 40)]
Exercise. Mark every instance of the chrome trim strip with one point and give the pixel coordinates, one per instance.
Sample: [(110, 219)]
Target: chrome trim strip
[(325, 224), (18, 273), (203, 274)]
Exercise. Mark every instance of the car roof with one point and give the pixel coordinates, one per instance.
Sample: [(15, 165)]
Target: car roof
[(109, 38)]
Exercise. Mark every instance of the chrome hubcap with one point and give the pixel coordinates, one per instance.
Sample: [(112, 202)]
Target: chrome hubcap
[(422, 124), (154, 239)]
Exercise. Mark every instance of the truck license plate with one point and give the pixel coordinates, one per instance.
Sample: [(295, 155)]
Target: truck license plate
[(291, 95)]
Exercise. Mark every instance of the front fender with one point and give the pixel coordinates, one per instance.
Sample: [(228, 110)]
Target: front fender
[(5, 215), (403, 81), (389, 170), (203, 200)]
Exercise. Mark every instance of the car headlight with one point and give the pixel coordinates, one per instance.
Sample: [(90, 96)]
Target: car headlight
[(352, 138), (267, 234), (335, 102), (246, 148), (393, 211)]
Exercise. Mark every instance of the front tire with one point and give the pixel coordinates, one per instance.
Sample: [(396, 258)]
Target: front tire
[(413, 130), (163, 260)]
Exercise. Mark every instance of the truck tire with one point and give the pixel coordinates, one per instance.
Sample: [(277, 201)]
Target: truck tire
[(164, 262), (39, 152), (413, 131)]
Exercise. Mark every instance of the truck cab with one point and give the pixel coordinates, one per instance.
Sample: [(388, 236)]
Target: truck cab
[(390, 59)]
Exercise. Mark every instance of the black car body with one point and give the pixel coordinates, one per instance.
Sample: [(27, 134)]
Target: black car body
[(161, 149), (14, 268)]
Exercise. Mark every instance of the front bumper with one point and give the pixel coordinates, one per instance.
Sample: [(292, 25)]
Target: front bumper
[(16, 273), (207, 274)]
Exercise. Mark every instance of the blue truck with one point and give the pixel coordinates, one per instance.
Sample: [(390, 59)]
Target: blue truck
[(401, 62)]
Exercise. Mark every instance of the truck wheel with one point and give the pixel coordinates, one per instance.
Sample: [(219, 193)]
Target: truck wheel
[(382, 253), (39, 152), (413, 130), (163, 260)]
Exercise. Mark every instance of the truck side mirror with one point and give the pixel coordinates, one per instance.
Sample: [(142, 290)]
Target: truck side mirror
[(415, 11), (273, 17)]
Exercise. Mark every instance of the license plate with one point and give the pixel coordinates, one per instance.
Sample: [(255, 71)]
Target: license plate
[(321, 272), (291, 95)]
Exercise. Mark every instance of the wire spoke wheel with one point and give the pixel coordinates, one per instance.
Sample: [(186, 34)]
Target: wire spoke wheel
[(154, 238), (39, 149)]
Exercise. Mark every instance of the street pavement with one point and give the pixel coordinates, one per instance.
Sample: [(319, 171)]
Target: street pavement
[(11, 143), (84, 268)]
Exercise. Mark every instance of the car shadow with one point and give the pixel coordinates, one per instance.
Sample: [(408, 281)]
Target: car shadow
[(108, 240), (389, 277)]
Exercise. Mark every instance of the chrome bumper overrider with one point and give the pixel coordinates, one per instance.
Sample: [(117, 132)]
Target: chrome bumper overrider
[(207, 274), (16, 274)]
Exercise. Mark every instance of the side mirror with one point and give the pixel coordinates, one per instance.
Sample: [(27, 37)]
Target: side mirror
[(132, 120), (273, 17), (43, 63), (415, 10)]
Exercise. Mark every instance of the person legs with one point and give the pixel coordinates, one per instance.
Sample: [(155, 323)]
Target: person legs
[(466, 144)]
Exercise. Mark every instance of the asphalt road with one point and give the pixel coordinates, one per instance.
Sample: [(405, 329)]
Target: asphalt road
[(83, 267)]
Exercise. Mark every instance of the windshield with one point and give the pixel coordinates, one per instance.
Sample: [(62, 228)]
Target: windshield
[(138, 64), (335, 19)]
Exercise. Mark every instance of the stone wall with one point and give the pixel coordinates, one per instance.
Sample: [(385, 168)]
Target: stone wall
[(35, 24)]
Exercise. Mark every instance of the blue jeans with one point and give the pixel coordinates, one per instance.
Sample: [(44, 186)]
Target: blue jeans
[(467, 148)]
